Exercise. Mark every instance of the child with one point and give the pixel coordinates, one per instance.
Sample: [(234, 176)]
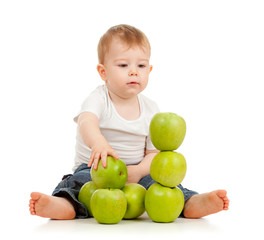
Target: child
[(114, 120)]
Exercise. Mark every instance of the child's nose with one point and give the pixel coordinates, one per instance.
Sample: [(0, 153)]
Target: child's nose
[(133, 71)]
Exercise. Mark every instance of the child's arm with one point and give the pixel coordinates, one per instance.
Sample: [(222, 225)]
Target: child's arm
[(136, 172), (88, 124)]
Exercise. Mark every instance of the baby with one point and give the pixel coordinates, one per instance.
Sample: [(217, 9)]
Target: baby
[(114, 120)]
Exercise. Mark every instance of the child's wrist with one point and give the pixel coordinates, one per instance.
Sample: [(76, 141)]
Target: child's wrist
[(141, 171)]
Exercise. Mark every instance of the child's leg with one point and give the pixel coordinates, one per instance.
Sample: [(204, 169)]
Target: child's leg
[(64, 199), (146, 181), (187, 193)]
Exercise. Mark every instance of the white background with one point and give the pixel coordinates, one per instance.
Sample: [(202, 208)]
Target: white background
[(208, 67)]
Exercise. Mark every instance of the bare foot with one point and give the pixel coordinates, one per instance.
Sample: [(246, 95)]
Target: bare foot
[(51, 207), (205, 204)]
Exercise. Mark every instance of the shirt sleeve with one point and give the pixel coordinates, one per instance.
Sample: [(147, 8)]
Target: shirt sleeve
[(149, 145), (94, 103)]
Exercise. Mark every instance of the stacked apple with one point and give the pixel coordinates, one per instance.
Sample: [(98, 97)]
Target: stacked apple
[(107, 198), (164, 201)]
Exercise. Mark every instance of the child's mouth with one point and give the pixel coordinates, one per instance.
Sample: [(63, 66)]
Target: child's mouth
[(133, 83)]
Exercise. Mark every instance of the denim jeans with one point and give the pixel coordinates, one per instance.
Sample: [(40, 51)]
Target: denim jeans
[(71, 184)]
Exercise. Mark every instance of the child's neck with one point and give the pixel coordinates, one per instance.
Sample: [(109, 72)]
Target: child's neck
[(128, 108)]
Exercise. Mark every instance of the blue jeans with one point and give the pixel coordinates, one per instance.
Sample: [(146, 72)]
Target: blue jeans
[(71, 184)]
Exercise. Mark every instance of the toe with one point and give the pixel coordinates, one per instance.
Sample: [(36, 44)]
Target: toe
[(32, 210), (221, 193), (35, 196)]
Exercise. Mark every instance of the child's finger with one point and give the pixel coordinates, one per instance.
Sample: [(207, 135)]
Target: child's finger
[(95, 164), (96, 160), (91, 160), (114, 154), (104, 158)]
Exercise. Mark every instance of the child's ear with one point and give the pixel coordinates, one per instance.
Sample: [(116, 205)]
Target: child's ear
[(150, 68), (101, 70)]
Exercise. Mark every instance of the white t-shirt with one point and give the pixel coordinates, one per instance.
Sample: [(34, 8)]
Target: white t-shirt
[(128, 138)]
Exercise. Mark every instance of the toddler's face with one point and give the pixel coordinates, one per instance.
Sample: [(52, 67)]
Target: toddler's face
[(126, 70)]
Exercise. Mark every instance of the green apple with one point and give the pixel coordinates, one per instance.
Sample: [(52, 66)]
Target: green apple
[(135, 196), (168, 168), (108, 205), (85, 195), (167, 131), (163, 204), (114, 175)]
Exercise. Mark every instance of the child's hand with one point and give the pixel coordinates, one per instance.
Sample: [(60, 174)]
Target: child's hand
[(101, 151)]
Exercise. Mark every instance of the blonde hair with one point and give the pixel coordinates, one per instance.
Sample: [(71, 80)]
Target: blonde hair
[(127, 34)]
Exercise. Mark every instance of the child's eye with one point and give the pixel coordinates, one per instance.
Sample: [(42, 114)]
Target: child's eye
[(141, 65), (122, 65)]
